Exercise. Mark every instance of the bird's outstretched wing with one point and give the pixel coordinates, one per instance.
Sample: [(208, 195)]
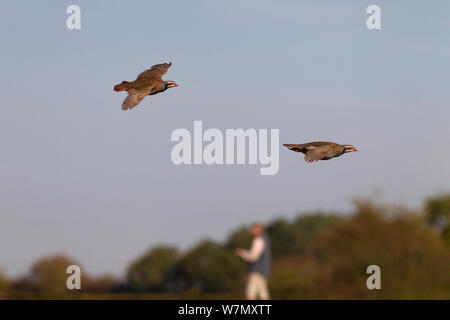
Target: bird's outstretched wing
[(132, 100), (317, 153), (156, 71)]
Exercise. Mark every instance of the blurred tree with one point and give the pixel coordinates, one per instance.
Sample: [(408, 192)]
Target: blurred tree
[(414, 261), (294, 277), (446, 234), (282, 237), (49, 275), (212, 268), (240, 238), (149, 272), (438, 208), (3, 281), (309, 228), (437, 211)]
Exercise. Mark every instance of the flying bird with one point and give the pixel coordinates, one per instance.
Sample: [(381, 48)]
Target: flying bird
[(147, 83), (315, 151)]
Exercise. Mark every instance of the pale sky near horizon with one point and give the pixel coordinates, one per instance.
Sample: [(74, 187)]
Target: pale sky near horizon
[(80, 176)]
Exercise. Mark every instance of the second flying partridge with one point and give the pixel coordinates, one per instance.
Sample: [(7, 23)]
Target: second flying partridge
[(315, 151)]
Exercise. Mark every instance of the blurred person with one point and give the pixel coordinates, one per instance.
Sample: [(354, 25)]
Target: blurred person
[(259, 260)]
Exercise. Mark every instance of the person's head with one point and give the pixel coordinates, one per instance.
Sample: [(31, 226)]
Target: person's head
[(256, 229)]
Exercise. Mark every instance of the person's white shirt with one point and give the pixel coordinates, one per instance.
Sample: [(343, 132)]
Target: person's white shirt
[(255, 251)]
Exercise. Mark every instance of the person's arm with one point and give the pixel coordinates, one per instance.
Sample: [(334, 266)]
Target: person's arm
[(255, 251)]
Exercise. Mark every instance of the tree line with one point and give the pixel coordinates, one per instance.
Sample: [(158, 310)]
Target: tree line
[(315, 255)]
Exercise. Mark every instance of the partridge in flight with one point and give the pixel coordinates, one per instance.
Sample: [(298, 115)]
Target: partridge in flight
[(315, 151), (147, 83)]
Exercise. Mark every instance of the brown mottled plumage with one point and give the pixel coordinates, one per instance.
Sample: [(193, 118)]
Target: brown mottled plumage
[(148, 82), (315, 151)]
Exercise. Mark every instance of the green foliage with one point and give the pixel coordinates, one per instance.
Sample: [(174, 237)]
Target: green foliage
[(310, 228), (240, 238), (282, 236), (412, 258), (3, 281), (437, 210), (150, 271), (212, 268), (446, 234), (294, 277)]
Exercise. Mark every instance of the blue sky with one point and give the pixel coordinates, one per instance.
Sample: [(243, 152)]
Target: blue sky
[(80, 176)]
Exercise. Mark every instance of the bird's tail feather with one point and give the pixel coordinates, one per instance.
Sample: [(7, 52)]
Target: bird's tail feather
[(294, 147)]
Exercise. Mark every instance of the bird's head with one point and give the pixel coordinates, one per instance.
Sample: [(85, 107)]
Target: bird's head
[(171, 84), (349, 148)]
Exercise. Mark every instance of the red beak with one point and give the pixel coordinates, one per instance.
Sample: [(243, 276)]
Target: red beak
[(354, 149)]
